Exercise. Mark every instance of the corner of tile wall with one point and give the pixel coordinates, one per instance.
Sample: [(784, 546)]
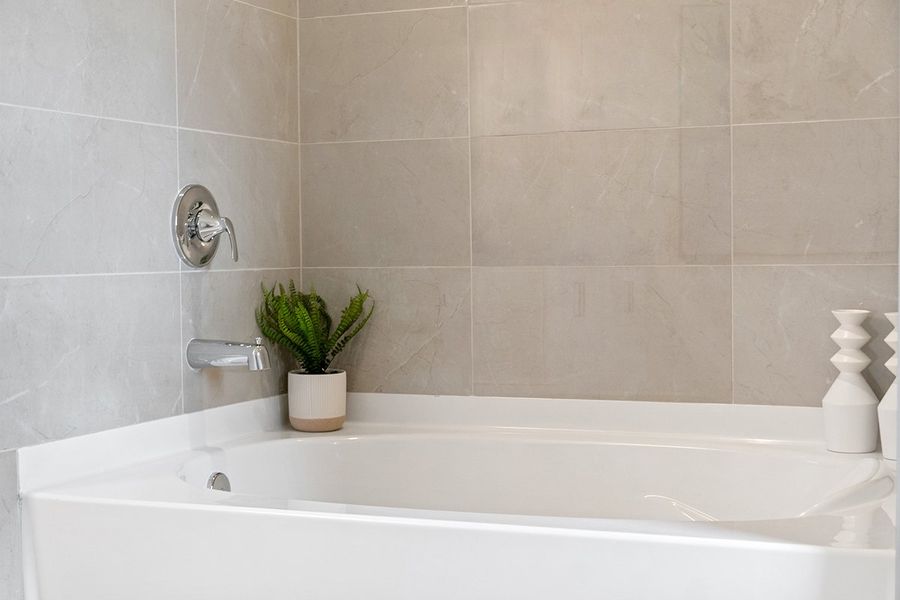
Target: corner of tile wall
[(110, 145)]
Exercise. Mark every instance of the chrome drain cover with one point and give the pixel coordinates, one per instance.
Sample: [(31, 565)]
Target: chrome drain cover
[(219, 481)]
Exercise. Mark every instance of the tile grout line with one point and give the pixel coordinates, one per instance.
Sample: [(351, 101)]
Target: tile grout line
[(385, 140), (634, 266), (471, 222), (239, 135), (264, 9), (299, 158), (423, 139), (731, 177), (410, 267), (178, 187), (142, 123), (661, 128), (382, 12)]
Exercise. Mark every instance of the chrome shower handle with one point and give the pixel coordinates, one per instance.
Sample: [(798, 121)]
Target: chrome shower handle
[(209, 226), (197, 226)]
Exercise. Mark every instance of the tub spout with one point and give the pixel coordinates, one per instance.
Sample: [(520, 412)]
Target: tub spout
[(202, 354)]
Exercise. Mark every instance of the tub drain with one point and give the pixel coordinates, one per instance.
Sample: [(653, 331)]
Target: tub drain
[(219, 481)]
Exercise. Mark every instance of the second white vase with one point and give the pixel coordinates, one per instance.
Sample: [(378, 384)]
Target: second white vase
[(850, 405), (887, 410)]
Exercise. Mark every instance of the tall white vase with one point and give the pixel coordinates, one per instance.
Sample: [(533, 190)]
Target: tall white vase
[(887, 410), (850, 405)]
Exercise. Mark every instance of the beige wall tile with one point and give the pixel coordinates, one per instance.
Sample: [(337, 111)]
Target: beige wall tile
[(113, 58), (256, 185), (92, 353), (602, 198), (73, 188), (386, 204), (636, 333), (388, 76), (598, 64), (237, 69), (816, 193), (798, 61), (418, 341), (782, 324), (323, 8), (222, 305)]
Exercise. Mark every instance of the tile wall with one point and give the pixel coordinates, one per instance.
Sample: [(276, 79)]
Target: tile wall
[(108, 107), (636, 199)]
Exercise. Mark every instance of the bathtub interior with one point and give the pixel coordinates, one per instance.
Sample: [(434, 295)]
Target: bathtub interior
[(519, 473)]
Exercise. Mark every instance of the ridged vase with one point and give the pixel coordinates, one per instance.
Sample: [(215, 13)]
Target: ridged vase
[(317, 402), (850, 405)]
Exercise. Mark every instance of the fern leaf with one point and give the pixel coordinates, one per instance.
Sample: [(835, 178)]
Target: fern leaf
[(349, 316), (339, 346)]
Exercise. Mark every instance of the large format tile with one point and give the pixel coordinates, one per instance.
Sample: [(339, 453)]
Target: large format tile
[(84, 195), (222, 305), (782, 324), (602, 198), (386, 204), (10, 530), (237, 69), (384, 76), (323, 8), (256, 185), (797, 61), (816, 193), (598, 64), (88, 353), (418, 341), (630, 333), (114, 58)]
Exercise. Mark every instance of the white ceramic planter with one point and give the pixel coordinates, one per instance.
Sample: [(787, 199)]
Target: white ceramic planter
[(317, 402)]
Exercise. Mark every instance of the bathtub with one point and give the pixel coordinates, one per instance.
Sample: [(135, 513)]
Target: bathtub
[(451, 497)]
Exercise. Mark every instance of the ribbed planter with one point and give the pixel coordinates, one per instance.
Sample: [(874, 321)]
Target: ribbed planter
[(317, 402)]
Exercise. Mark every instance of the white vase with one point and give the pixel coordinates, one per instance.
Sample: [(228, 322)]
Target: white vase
[(887, 410), (850, 405), (317, 402)]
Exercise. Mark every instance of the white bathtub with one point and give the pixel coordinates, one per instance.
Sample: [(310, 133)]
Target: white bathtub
[(460, 498)]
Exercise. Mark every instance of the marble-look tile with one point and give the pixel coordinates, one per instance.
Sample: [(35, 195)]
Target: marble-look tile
[(598, 64), (796, 61), (629, 333), (384, 76), (84, 195), (256, 185), (386, 204), (782, 324), (418, 341), (114, 58), (10, 530), (87, 354), (823, 193), (324, 8), (222, 305), (237, 69), (602, 198), (285, 7)]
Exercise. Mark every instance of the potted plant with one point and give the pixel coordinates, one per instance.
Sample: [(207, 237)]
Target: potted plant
[(317, 395)]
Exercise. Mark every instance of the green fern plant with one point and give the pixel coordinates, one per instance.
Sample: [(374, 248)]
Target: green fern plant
[(300, 323)]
